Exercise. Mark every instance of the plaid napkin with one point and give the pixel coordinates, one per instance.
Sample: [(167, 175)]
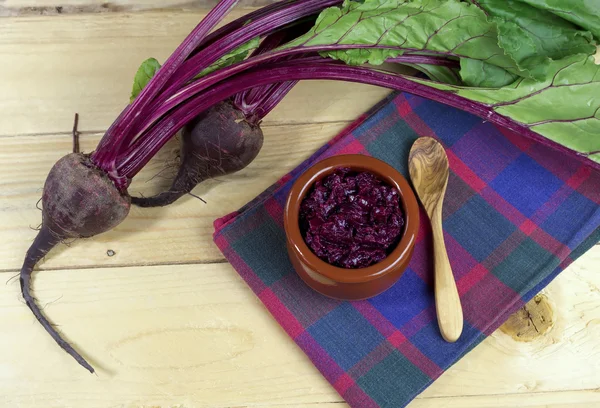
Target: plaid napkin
[(516, 214)]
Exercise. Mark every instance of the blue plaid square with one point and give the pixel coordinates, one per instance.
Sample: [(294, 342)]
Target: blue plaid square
[(526, 185), (437, 349), (270, 265), (570, 228), (448, 124), (281, 195), (346, 334), (478, 227), (486, 150), (406, 299), (403, 379)]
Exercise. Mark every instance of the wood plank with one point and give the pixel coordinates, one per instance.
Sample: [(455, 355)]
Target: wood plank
[(86, 63), (57, 7), (195, 335), (179, 233), (569, 399)]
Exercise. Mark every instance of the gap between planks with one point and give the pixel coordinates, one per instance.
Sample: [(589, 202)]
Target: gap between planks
[(529, 393)]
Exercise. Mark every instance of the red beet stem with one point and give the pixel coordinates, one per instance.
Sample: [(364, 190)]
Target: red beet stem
[(159, 107), (147, 146), (43, 243), (117, 134), (255, 28)]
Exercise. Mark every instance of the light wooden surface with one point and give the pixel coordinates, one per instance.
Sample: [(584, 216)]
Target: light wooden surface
[(165, 320)]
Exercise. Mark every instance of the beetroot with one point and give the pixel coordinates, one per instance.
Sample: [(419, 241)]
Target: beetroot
[(351, 219), (79, 201), (218, 142), (226, 137)]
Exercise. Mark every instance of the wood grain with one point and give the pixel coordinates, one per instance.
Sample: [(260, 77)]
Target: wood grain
[(60, 7), (196, 336), (86, 63), (534, 319), (428, 168)]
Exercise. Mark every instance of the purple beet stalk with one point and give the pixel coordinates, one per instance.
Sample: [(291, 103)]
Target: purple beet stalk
[(177, 70), (226, 137), (159, 108), (147, 146), (117, 133)]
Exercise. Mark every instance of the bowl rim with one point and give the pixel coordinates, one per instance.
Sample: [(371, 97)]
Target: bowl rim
[(357, 162)]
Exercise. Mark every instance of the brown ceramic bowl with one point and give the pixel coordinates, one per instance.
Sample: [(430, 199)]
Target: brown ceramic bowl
[(341, 283)]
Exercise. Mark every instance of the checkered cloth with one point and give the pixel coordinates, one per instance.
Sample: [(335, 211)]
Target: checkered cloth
[(516, 214)]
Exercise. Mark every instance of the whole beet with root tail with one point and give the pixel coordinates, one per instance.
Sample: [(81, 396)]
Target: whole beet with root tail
[(218, 142), (79, 201)]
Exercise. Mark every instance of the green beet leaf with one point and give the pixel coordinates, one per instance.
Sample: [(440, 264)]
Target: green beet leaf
[(584, 13), (149, 67), (532, 37), (551, 35), (564, 108), (236, 55), (481, 74), (143, 75), (441, 27)]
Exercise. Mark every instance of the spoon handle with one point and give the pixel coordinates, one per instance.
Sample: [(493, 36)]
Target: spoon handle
[(447, 301)]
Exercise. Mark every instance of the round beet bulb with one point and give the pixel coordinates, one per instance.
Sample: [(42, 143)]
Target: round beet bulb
[(79, 201), (218, 142)]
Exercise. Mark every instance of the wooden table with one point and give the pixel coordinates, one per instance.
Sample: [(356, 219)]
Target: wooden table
[(153, 304)]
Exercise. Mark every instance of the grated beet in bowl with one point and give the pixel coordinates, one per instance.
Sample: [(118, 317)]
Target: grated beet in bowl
[(351, 219)]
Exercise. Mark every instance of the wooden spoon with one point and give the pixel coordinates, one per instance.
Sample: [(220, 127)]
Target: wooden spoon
[(428, 168)]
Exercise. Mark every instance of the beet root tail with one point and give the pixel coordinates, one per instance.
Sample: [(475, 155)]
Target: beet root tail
[(44, 242), (188, 176), (159, 200)]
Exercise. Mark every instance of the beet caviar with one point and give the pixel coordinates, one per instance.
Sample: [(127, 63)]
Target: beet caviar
[(351, 219)]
